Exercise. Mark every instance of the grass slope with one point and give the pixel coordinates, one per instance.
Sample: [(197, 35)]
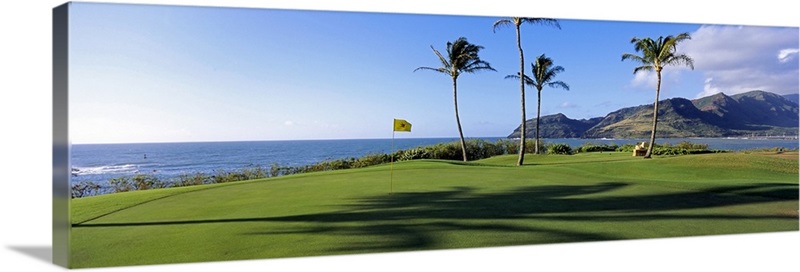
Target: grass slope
[(439, 205)]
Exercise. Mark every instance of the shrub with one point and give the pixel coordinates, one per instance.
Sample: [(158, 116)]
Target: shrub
[(691, 146), (254, 172), (137, 182), (480, 149), (591, 147), (626, 148), (562, 149), (275, 170), (85, 188), (667, 149), (447, 151), (146, 182), (370, 160), (191, 180), (509, 146), (413, 154), (225, 176), (121, 184)]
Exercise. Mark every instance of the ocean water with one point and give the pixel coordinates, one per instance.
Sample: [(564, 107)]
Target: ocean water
[(101, 162)]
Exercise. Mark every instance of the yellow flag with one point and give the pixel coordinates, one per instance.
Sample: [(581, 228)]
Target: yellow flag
[(402, 125)]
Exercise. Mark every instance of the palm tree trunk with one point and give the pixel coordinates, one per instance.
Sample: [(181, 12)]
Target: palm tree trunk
[(458, 121), (649, 152), (522, 127), (538, 116)]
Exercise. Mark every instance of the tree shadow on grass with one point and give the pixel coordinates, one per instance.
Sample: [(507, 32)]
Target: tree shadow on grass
[(526, 202), (410, 221)]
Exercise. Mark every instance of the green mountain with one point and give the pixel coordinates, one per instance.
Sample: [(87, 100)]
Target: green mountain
[(677, 117), (748, 114), (557, 126)]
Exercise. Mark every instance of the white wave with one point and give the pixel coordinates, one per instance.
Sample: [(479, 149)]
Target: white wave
[(105, 169)]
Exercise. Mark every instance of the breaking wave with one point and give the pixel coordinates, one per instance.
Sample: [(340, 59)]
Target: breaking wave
[(106, 169)]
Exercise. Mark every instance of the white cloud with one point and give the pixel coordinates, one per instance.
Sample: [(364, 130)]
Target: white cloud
[(288, 123), (788, 54), (644, 79), (647, 80), (708, 89), (568, 105), (736, 59)]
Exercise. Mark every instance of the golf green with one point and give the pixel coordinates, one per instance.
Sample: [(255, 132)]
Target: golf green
[(432, 204)]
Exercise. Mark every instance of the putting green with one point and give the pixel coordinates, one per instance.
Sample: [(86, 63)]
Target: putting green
[(433, 204)]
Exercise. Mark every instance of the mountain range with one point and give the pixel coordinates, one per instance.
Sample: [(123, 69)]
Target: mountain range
[(755, 113)]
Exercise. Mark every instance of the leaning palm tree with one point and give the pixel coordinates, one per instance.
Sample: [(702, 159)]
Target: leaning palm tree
[(655, 55), (544, 74), (462, 57), (517, 21)]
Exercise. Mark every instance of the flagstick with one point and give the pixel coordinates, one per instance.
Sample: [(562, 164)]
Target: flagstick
[(391, 166)]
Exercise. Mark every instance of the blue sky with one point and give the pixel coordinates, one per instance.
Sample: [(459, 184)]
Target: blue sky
[(142, 73)]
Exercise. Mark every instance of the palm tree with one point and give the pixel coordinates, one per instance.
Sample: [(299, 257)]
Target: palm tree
[(544, 74), (655, 55), (462, 57), (517, 21)]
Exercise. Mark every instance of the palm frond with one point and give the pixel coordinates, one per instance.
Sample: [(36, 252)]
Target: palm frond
[(541, 21), (544, 72), (558, 84), (461, 57), (501, 23), (681, 60), (442, 59), (635, 58), (440, 69), (477, 65), (658, 53), (528, 81), (557, 69), (644, 68)]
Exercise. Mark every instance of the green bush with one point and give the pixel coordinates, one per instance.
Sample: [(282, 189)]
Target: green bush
[(136, 182), (480, 149), (191, 180), (690, 146), (254, 172), (414, 154), (628, 148), (121, 184), (85, 188), (667, 149), (591, 147), (370, 160), (561, 149), (146, 182)]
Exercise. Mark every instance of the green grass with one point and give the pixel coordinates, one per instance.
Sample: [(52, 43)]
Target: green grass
[(440, 205)]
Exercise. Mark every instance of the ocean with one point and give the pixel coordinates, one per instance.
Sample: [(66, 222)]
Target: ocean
[(101, 162)]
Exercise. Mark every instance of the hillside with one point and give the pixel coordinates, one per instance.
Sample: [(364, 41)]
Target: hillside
[(793, 97), (752, 113), (678, 117), (558, 126)]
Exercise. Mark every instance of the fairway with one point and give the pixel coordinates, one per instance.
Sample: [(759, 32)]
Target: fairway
[(431, 204)]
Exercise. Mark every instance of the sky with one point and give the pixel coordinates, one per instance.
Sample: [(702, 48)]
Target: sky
[(159, 73)]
